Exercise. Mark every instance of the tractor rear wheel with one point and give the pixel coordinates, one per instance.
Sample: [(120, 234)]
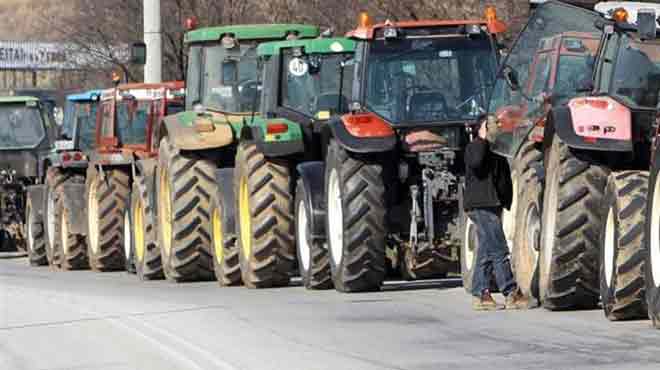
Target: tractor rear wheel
[(263, 189), (144, 243), (356, 219), (527, 205), (313, 258), (36, 237), (652, 243), (568, 271), (226, 261), (107, 200), (622, 255), (70, 247), (184, 188)]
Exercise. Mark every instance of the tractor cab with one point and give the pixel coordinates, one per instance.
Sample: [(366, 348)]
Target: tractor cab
[(129, 114)]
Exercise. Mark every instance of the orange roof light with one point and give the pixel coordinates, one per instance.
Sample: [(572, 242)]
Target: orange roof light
[(364, 20), (490, 13), (620, 15), (191, 23)]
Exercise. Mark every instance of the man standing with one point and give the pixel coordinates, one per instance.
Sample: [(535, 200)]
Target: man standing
[(488, 190)]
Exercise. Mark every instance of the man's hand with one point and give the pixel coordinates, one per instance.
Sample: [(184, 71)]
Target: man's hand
[(483, 130)]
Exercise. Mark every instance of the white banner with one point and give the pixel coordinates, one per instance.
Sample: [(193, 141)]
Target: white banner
[(43, 55)]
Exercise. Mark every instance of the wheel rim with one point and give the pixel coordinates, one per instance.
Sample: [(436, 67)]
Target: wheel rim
[(655, 233), (608, 248), (50, 218), (303, 242), (30, 232), (244, 214), (165, 212), (216, 223), (128, 238), (550, 224), (469, 241), (92, 216), (533, 231), (335, 218), (64, 234), (138, 231), (509, 216)]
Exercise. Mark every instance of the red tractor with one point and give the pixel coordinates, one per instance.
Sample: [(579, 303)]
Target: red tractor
[(126, 121)]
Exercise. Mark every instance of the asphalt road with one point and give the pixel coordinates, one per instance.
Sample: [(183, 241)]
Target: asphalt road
[(83, 320)]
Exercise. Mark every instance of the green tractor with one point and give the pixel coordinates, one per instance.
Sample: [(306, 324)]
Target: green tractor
[(303, 86), (197, 147)]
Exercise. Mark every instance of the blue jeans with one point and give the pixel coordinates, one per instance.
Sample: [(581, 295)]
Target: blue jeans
[(492, 253)]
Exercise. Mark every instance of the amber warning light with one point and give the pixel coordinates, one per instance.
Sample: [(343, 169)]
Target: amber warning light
[(364, 20), (494, 24), (620, 15)]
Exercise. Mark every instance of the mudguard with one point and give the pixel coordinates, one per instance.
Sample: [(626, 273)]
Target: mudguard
[(362, 133), (180, 129), (593, 123), (312, 176), (74, 202), (279, 144), (37, 195), (225, 180)]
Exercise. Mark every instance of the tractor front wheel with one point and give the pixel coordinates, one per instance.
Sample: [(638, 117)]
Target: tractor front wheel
[(356, 220), (226, 261), (144, 243), (36, 237)]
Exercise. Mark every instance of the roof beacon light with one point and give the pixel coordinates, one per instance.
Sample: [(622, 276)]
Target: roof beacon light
[(494, 24), (191, 23), (620, 15), (490, 13), (364, 20)]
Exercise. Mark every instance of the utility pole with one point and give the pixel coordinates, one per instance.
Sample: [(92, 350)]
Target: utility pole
[(153, 70)]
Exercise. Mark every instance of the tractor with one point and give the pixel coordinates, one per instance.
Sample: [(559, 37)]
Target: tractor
[(393, 164), (65, 164), (593, 173), (98, 209), (302, 88), (559, 65), (27, 133), (197, 148)]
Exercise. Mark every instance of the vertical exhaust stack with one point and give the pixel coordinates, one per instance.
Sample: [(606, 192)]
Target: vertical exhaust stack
[(153, 70)]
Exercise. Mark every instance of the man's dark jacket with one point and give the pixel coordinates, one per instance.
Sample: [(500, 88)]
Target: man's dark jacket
[(487, 178)]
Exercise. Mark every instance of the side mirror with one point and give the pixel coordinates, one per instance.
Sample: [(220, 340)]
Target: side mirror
[(511, 77), (138, 53), (646, 24), (229, 72)]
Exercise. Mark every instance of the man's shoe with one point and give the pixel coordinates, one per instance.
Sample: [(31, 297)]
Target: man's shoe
[(516, 301), (484, 303)]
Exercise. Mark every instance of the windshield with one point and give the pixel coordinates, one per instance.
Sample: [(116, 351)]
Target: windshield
[(21, 127), (429, 79), (637, 73), (132, 121), (531, 62), (239, 95), (311, 84), (85, 116)]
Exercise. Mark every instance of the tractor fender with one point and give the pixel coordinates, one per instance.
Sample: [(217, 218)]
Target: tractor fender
[(362, 133), (589, 123), (225, 180), (76, 207), (37, 196), (180, 129), (291, 142), (312, 177)]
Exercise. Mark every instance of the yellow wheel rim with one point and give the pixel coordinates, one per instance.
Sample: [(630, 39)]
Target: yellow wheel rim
[(217, 236), (64, 234), (138, 234), (245, 219), (93, 216), (165, 212)]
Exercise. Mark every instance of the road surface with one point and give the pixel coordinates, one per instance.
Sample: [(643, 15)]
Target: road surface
[(83, 320)]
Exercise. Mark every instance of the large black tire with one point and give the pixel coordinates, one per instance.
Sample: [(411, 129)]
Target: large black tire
[(568, 261), (622, 255), (36, 236), (144, 241), (71, 248), (528, 195), (313, 257), (652, 243), (55, 178), (356, 220), (107, 200), (226, 261), (184, 187), (469, 250), (264, 204)]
